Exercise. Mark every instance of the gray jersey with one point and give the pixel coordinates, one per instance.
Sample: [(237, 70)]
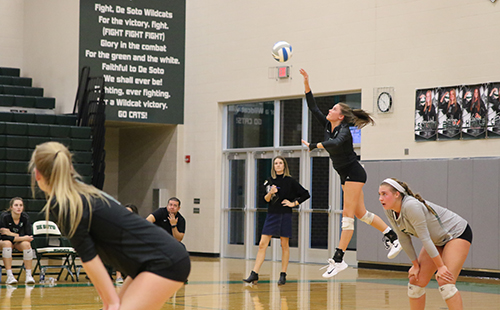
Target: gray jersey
[(433, 230)]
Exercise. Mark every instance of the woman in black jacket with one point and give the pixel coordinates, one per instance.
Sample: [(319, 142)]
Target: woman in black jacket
[(283, 193)]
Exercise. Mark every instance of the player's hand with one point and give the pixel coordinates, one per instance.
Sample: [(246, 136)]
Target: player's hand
[(172, 219), (414, 271), (273, 190), (305, 143), (445, 275), (4, 231), (287, 203), (305, 75)]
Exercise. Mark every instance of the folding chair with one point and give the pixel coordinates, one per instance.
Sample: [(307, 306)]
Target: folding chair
[(49, 244)]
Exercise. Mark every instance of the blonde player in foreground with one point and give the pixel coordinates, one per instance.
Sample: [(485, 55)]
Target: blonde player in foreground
[(103, 231)]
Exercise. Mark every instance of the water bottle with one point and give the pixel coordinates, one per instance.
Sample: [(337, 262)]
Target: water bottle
[(51, 281), (42, 276)]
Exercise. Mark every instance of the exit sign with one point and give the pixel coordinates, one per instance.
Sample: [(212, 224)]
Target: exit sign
[(283, 72)]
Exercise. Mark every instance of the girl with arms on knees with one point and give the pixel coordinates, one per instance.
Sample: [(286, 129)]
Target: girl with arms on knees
[(446, 238), (283, 193), (16, 232), (338, 144), (103, 231)]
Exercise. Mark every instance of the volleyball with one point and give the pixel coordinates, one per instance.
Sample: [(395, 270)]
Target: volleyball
[(282, 51)]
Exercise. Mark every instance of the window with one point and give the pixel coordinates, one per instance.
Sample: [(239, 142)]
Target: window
[(250, 125), (291, 122)]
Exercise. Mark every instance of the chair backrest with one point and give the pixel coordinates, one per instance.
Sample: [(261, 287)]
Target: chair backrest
[(46, 233), (45, 227)]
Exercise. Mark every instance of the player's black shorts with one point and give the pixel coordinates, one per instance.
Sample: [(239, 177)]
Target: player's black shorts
[(353, 172), (177, 272), (467, 234)]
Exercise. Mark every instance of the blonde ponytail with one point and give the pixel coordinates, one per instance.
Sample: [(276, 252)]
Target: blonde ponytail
[(64, 187)]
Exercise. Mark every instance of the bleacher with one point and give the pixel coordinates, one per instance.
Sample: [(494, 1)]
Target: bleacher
[(27, 119)]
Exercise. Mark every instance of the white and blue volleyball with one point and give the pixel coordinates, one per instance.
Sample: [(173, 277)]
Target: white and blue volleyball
[(282, 51)]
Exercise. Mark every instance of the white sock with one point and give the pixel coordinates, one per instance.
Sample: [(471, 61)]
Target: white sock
[(28, 272), (9, 273), (388, 229)]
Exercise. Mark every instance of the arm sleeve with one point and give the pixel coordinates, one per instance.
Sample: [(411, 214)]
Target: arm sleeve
[(160, 214), (311, 103), (82, 241), (416, 216), (301, 192), (343, 136), (4, 225)]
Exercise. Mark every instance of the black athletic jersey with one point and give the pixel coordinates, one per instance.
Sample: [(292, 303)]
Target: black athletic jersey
[(123, 239), (161, 219), (337, 142), (24, 227), (288, 188)]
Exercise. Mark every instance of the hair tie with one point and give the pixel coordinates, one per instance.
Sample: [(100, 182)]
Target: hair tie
[(56, 155), (396, 185)]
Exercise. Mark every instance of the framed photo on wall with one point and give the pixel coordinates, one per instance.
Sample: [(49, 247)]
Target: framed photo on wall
[(474, 111), (426, 116), (449, 113), (493, 127)]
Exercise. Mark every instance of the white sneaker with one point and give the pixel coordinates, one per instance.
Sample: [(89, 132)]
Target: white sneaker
[(119, 280), (29, 280), (333, 268), (395, 247), (11, 280)]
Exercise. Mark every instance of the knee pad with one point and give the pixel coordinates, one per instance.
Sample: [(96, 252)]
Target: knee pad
[(7, 252), (447, 291), (347, 223), (368, 218), (415, 291), (27, 254)]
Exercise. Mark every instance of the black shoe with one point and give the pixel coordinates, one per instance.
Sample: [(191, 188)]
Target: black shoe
[(253, 278), (282, 279)]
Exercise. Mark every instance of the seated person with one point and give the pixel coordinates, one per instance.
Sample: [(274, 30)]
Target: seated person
[(16, 232), (170, 219)]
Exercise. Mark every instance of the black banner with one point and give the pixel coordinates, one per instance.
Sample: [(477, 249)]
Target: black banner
[(139, 48)]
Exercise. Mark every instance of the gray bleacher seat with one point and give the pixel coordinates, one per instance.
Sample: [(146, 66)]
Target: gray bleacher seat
[(17, 154), (18, 179), (10, 71), (80, 132), (17, 129), (38, 130), (59, 131), (45, 103), (25, 101), (7, 100), (66, 119), (13, 166), (45, 118), (23, 117), (81, 144), (16, 141), (34, 141)]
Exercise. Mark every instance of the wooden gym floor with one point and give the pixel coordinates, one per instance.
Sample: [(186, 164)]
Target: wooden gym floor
[(216, 284)]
